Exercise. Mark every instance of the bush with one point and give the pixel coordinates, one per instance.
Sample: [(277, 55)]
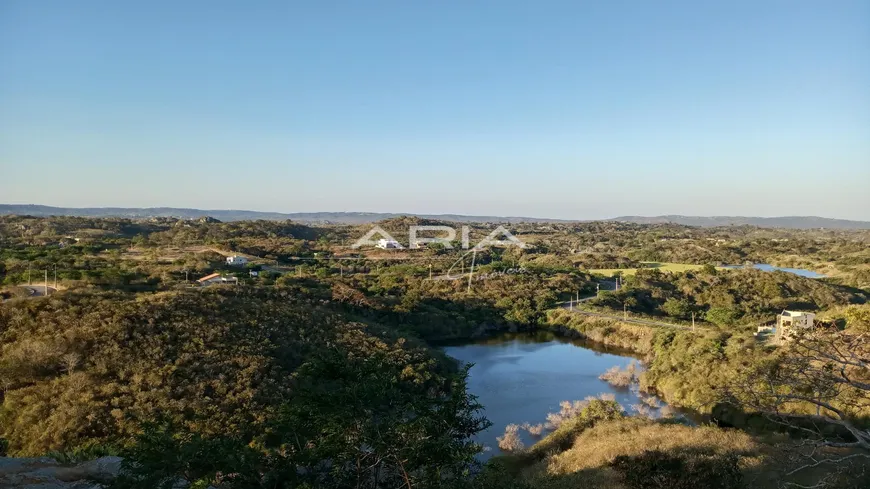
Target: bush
[(655, 469), (621, 378), (511, 441), (677, 308), (721, 316)]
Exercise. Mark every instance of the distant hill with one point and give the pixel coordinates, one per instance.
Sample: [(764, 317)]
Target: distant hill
[(793, 222), (241, 215)]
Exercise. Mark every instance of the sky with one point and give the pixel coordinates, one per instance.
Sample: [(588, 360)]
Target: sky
[(561, 109)]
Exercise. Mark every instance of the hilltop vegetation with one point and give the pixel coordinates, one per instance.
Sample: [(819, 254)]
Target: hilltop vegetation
[(228, 369), (89, 367)]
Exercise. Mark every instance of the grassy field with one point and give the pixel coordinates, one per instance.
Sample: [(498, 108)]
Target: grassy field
[(664, 267)]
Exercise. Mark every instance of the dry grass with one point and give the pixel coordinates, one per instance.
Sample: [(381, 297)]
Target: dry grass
[(598, 447), (764, 462), (664, 267)]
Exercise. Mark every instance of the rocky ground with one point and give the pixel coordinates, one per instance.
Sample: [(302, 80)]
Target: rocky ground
[(47, 473)]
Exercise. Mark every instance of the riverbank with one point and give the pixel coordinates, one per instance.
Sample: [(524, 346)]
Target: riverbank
[(635, 338)]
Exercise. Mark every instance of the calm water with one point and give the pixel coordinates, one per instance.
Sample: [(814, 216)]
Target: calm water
[(770, 268), (521, 378)]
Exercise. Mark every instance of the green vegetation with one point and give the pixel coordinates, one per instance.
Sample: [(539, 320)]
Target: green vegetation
[(725, 298), (318, 372)]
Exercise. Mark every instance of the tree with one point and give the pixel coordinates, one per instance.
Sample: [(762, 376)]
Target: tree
[(858, 318), (708, 269), (70, 361), (677, 308), (818, 385), (721, 316), (352, 422)]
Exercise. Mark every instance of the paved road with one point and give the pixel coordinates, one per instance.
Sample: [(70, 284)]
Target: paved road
[(38, 290)]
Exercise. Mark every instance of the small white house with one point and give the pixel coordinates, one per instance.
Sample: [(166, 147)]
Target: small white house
[(236, 260), (388, 244), (215, 279)]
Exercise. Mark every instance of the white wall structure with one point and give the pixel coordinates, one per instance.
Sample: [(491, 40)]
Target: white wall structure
[(790, 322), (387, 244)]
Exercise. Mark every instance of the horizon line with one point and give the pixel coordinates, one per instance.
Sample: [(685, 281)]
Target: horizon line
[(434, 214)]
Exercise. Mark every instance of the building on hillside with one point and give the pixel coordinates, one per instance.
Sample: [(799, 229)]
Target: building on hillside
[(788, 323), (216, 279), (237, 261), (388, 244)]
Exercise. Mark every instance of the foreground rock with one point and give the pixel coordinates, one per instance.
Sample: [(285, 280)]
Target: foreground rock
[(47, 473)]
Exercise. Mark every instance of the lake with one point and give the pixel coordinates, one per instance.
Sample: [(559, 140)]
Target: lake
[(520, 378), (770, 268)]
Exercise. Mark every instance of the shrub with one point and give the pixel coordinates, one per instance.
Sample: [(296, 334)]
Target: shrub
[(677, 308), (621, 378), (510, 441), (655, 469)]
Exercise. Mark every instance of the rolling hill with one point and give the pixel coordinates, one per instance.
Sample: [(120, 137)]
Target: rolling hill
[(792, 222)]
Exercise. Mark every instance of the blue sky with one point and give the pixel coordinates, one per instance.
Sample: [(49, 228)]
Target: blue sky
[(569, 109)]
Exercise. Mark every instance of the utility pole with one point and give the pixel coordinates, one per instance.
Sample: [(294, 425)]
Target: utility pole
[(46, 282), (693, 322), (471, 273), (430, 271)]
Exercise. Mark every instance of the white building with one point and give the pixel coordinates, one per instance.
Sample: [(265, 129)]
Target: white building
[(388, 244), (215, 279), (790, 322), (236, 260)]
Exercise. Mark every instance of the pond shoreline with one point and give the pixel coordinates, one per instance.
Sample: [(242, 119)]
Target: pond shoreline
[(520, 378)]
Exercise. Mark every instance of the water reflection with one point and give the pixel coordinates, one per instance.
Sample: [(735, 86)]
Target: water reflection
[(519, 378), (770, 268)]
